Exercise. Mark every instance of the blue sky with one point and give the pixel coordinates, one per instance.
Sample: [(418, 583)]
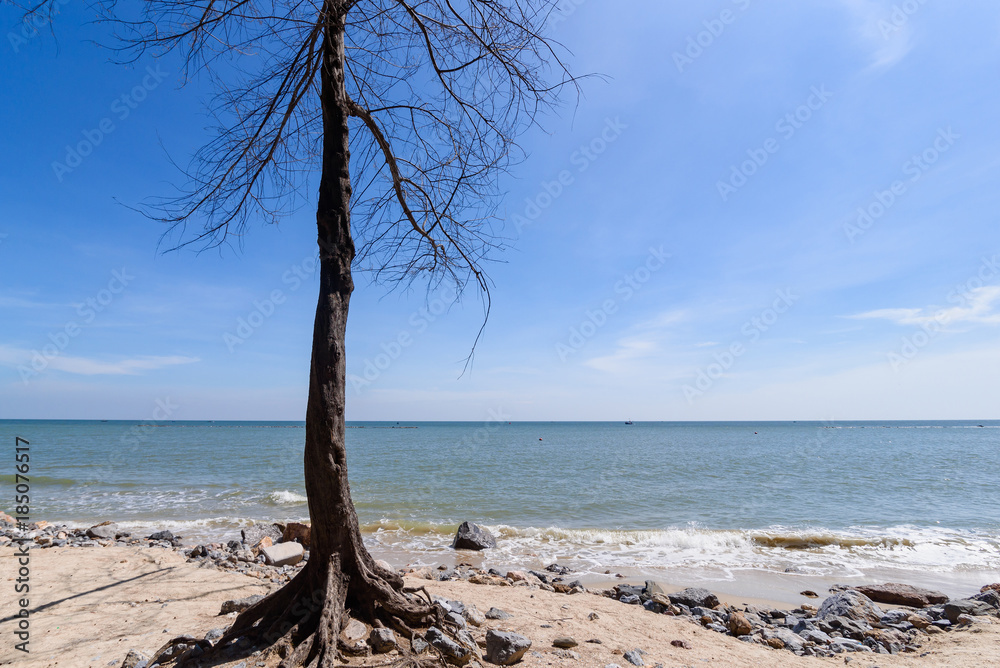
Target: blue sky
[(770, 210)]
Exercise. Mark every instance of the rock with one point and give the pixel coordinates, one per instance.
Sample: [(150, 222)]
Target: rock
[(382, 640), (816, 636), (808, 593), (381, 563), (985, 588), (453, 652), (215, 634), (634, 657), (918, 621), (630, 599), (852, 605), (738, 624), (694, 597), (7, 519), (505, 648), (558, 570), (952, 609), (161, 535), (566, 654), (239, 604), (473, 616), (990, 597), (105, 530), (354, 631), (283, 554), (680, 643), (418, 645), (497, 613), (965, 620), (652, 589), (473, 537), (564, 642), (135, 659), (592, 616), (254, 533), (894, 593), (298, 533)]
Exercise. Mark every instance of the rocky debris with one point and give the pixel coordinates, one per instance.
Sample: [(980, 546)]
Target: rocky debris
[(239, 604), (255, 533), (564, 642), (953, 609), (988, 596), (298, 533), (505, 648), (894, 593), (497, 613), (558, 570), (382, 641), (283, 554), (105, 530), (473, 537), (634, 657), (683, 644), (474, 616), (453, 652), (694, 597), (135, 659), (851, 604)]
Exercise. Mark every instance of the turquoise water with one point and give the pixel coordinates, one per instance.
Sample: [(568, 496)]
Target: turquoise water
[(831, 499)]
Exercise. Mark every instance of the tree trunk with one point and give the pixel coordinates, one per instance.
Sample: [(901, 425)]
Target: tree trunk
[(303, 620)]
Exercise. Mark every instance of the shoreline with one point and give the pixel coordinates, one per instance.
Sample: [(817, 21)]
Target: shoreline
[(90, 606)]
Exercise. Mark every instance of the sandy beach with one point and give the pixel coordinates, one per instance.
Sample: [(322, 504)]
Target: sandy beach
[(90, 606)]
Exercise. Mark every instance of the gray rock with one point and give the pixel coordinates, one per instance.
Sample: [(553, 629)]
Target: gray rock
[(694, 597), (473, 537), (991, 597), (852, 605), (215, 634), (382, 640), (634, 657), (952, 609), (418, 645), (630, 599), (283, 554), (161, 535), (816, 636), (453, 652), (566, 654), (254, 533), (895, 593), (497, 613), (505, 648), (895, 616), (239, 604), (473, 616), (135, 659), (653, 587), (105, 531), (564, 642)]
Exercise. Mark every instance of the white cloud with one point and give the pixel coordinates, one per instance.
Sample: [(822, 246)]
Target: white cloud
[(84, 366), (978, 307), (884, 29)]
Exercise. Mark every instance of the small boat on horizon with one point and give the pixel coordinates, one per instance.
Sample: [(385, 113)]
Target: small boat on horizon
[(629, 421)]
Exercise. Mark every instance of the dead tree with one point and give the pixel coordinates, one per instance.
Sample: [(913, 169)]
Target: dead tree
[(421, 100)]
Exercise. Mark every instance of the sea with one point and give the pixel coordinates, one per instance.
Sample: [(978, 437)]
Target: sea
[(759, 509)]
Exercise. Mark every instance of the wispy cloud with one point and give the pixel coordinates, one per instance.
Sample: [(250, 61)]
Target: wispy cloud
[(979, 307), (84, 366), (889, 38)]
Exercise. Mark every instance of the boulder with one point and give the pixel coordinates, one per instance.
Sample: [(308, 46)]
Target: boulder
[(738, 624), (453, 652), (473, 537), (894, 593), (135, 659), (254, 533), (382, 640), (952, 609), (989, 596), (161, 535), (995, 586), (283, 554), (564, 642), (298, 533), (694, 597), (852, 605), (505, 648), (239, 604), (497, 613), (105, 530), (473, 616), (634, 657), (353, 631)]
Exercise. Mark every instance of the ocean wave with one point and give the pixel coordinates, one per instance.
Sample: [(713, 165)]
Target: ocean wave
[(285, 497)]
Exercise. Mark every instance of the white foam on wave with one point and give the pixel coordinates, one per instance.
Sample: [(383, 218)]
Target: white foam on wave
[(285, 497)]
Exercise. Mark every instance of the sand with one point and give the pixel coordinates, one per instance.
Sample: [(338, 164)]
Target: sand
[(89, 606)]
